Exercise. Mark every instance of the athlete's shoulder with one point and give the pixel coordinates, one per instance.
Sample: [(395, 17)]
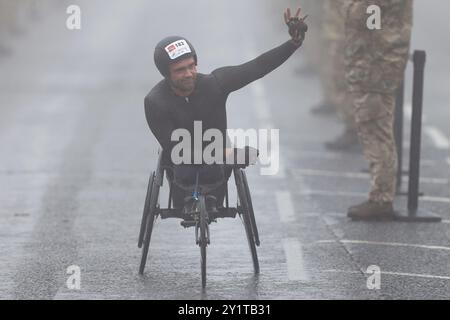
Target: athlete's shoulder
[(157, 95), (208, 82), (207, 77), (156, 92)]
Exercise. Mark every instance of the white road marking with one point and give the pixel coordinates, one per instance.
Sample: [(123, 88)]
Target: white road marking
[(435, 199), (429, 276), (357, 175), (448, 161), (428, 162), (360, 194), (407, 110), (294, 259), (326, 173), (292, 247), (391, 244), (416, 275), (318, 154), (332, 193), (281, 171), (261, 105), (285, 206), (324, 155), (262, 109), (440, 141)]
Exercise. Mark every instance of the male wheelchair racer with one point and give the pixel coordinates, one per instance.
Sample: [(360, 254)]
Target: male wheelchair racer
[(199, 209)]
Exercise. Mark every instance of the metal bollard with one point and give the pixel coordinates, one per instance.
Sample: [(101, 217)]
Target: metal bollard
[(413, 214), (419, 59)]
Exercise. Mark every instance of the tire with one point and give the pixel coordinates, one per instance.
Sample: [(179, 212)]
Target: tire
[(203, 239), (146, 210), (149, 225), (245, 215), (250, 209)]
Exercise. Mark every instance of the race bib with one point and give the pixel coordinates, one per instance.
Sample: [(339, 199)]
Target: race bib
[(177, 49)]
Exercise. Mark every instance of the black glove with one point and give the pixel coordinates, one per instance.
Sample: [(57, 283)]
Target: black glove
[(297, 27)]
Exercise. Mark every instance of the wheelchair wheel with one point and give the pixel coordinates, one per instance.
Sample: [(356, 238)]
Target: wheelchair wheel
[(146, 210), (203, 241), (250, 209), (150, 220), (244, 212)]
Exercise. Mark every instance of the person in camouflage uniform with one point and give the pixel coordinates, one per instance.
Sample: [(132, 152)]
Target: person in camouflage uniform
[(375, 62), (8, 11), (333, 71)]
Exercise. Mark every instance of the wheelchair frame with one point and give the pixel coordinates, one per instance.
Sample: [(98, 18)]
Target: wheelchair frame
[(152, 211)]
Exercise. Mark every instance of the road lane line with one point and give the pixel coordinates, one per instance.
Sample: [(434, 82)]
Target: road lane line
[(294, 259), (331, 193), (317, 155), (262, 107), (261, 104), (391, 244), (285, 206), (429, 276), (416, 275), (357, 175), (360, 194), (281, 174), (448, 161), (435, 199), (440, 141), (292, 247), (428, 162), (324, 155), (407, 109)]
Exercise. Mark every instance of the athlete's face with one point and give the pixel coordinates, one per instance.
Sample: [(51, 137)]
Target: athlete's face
[(183, 75)]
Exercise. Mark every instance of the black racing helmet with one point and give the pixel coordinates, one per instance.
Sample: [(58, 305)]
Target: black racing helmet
[(170, 50)]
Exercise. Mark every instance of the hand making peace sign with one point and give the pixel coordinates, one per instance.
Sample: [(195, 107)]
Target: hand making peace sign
[(297, 26)]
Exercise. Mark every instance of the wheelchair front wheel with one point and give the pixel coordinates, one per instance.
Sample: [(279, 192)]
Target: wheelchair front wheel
[(203, 241), (250, 209), (146, 210), (244, 212), (150, 220)]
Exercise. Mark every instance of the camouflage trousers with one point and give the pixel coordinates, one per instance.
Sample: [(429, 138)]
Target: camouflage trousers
[(375, 61), (334, 83), (376, 136)]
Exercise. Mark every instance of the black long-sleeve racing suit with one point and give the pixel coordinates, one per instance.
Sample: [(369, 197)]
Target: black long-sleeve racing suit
[(165, 111)]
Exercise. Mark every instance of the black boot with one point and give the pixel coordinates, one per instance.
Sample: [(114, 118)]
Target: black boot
[(370, 210)]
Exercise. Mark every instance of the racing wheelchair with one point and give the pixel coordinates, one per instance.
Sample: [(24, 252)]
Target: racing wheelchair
[(198, 216)]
